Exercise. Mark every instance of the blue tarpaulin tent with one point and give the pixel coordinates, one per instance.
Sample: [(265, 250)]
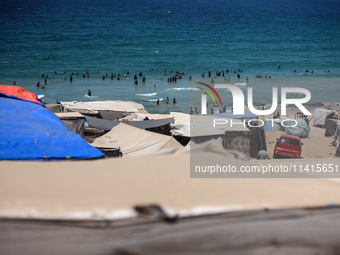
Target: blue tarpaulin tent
[(31, 132)]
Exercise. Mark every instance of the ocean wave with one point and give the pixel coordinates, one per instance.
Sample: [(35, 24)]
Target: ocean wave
[(154, 100), (147, 95), (179, 89), (92, 97)]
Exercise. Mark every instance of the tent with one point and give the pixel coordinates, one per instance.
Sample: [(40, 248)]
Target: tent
[(31, 132), (320, 116), (257, 141), (19, 93), (201, 128), (53, 107), (73, 120), (272, 124), (330, 125), (94, 107), (134, 141), (109, 124), (298, 127)]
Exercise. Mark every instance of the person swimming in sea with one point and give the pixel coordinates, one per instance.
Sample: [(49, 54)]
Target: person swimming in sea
[(89, 93)]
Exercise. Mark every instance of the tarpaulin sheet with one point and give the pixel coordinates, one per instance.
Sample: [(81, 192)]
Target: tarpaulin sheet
[(31, 132), (19, 93)]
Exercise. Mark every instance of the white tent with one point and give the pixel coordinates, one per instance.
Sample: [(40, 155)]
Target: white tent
[(136, 142), (109, 105), (320, 116), (201, 125)]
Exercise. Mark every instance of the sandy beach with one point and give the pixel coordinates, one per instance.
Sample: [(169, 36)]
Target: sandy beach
[(316, 146)]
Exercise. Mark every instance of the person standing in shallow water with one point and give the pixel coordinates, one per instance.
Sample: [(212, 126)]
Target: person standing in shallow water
[(89, 93), (174, 100)]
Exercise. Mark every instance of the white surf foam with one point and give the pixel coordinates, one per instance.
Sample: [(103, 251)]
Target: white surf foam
[(155, 100), (147, 95)]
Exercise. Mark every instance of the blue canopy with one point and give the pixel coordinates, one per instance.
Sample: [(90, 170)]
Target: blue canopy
[(230, 115), (31, 132)]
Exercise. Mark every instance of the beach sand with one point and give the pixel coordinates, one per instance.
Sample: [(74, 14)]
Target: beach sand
[(317, 145), (106, 188)]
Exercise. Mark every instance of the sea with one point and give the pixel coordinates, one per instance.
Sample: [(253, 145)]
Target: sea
[(266, 43)]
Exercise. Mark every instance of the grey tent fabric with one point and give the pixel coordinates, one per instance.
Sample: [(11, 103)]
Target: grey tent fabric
[(53, 107), (330, 125), (110, 115), (304, 231), (337, 153), (257, 141), (73, 120), (107, 125)]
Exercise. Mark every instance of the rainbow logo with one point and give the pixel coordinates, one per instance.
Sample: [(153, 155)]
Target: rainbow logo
[(208, 92)]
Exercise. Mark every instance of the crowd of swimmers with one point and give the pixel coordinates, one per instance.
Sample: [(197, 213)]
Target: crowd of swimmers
[(174, 77)]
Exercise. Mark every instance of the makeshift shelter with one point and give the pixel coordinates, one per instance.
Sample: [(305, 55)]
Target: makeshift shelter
[(336, 139), (53, 107), (330, 126), (110, 115), (135, 142), (201, 128), (181, 126), (272, 124), (298, 128), (320, 116), (73, 120), (257, 141), (19, 93), (31, 132), (94, 107), (109, 124)]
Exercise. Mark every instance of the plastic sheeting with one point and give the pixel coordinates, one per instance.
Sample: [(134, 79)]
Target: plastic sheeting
[(330, 125), (272, 125), (257, 141), (19, 93), (301, 129), (320, 116), (31, 132), (73, 120), (109, 124)]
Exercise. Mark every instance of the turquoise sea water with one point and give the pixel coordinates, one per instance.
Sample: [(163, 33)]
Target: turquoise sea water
[(103, 37)]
